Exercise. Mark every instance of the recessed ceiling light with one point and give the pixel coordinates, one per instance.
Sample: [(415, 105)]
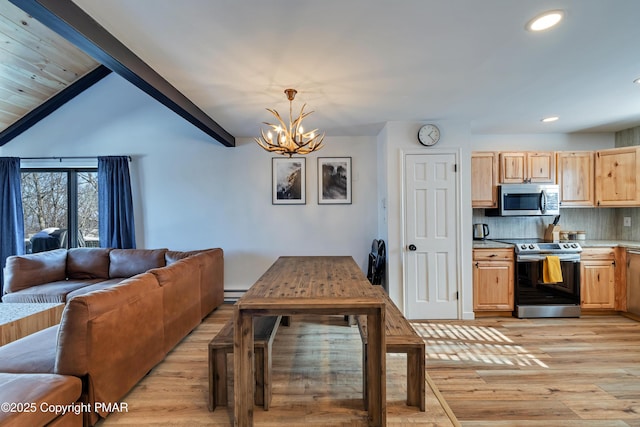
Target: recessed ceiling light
[(545, 20), (637, 81), (550, 119)]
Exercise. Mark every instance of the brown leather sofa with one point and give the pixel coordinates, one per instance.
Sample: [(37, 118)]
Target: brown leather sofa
[(39, 400), (114, 329)]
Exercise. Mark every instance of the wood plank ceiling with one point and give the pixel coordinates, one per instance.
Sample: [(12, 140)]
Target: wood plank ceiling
[(50, 51), (36, 64)]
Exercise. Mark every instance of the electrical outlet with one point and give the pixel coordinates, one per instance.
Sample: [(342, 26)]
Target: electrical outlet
[(627, 221)]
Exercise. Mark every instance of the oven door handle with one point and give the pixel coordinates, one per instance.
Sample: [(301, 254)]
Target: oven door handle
[(536, 257)]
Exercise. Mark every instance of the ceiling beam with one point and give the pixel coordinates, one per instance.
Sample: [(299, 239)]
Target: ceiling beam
[(53, 103), (72, 23)]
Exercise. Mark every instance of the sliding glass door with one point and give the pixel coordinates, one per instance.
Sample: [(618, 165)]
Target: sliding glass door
[(60, 208)]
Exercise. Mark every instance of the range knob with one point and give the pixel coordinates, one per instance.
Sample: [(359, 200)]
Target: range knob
[(574, 245), (531, 246), (523, 247)]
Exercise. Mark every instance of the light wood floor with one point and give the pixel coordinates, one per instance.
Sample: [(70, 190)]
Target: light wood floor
[(491, 372), (537, 372), (317, 381)]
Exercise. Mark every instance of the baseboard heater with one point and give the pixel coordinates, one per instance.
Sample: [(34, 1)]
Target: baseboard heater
[(231, 296)]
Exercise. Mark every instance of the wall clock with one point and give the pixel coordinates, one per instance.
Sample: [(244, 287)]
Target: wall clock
[(428, 135)]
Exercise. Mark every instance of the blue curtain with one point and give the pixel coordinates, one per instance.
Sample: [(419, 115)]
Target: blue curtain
[(11, 216), (115, 203)]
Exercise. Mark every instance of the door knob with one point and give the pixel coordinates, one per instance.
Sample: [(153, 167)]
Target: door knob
[(412, 247)]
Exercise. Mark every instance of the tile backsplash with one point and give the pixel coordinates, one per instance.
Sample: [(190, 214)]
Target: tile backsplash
[(598, 223)]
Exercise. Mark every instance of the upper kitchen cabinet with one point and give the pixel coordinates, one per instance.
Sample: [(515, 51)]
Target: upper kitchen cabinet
[(616, 180), (525, 167), (484, 179), (575, 178)]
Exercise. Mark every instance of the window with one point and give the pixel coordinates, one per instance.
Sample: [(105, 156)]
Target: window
[(60, 208)]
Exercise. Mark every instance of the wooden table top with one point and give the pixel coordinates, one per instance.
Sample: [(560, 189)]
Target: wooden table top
[(311, 277), (316, 280)]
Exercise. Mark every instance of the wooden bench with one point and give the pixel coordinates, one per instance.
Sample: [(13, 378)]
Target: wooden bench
[(221, 345), (400, 338)]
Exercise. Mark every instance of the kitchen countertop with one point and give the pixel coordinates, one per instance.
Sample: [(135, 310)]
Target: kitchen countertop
[(609, 243), (491, 244)]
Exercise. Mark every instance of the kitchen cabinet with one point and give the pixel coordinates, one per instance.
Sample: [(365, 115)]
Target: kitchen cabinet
[(527, 167), (633, 282), (575, 177), (616, 177), (484, 179), (493, 279), (597, 278)]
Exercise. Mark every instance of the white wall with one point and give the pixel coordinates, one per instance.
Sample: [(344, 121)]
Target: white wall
[(192, 193)]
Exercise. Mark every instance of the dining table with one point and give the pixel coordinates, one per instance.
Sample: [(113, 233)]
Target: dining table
[(318, 285)]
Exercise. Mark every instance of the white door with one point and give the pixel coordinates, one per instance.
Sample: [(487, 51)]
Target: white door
[(430, 251)]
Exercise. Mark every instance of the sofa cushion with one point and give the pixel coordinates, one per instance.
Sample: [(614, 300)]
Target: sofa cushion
[(33, 354), (129, 262), (114, 336), (102, 284), (23, 271), (42, 392), (50, 292), (180, 284), (173, 256), (88, 263), (211, 279)]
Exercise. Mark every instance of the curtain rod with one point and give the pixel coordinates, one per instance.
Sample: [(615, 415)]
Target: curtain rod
[(64, 158)]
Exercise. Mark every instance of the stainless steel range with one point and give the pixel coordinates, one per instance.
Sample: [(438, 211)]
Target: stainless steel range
[(535, 297)]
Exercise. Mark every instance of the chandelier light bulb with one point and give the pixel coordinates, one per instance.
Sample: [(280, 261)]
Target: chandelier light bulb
[(290, 139)]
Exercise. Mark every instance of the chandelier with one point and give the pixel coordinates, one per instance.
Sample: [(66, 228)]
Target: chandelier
[(292, 139)]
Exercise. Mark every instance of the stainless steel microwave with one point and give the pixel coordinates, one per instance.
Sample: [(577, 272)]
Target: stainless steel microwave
[(528, 200)]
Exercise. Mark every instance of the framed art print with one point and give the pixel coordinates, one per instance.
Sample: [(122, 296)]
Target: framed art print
[(334, 180), (289, 181)]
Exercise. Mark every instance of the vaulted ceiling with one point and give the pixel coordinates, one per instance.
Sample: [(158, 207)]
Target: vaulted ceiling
[(36, 64), (361, 63)]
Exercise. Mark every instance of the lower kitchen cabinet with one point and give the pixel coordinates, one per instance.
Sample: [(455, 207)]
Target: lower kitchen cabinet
[(597, 278), (633, 282), (493, 279)]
